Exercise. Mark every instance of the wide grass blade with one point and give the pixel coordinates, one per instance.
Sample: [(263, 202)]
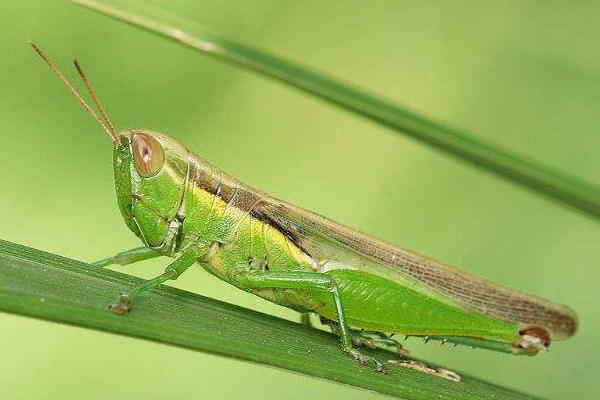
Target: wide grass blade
[(543, 179), (47, 286)]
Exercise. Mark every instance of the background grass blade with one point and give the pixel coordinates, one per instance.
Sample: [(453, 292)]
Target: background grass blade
[(543, 179), (51, 287)]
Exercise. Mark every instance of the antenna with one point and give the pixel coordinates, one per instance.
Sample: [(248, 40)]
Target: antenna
[(92, 94), (104, 121)]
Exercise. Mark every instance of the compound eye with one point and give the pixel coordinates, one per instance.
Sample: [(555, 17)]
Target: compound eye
[(148, 154)]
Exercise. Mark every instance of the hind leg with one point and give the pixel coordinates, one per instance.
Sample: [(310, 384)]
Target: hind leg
[(316, 281)]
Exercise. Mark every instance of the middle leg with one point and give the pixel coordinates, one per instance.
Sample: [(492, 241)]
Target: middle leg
[(369, 339)]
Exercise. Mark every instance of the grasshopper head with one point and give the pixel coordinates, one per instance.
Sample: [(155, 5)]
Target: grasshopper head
[(150, 170)]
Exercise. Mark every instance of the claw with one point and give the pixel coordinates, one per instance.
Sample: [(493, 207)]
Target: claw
[(119, 309), (402, 352), (379, 367), (122, 305)]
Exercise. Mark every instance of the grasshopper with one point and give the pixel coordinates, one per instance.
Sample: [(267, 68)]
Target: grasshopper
[(183, 207)]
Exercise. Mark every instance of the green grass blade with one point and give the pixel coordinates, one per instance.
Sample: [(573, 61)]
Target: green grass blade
[(44, 285), (543, 179)]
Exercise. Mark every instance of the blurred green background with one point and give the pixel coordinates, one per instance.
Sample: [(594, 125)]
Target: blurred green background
[(522, 75)]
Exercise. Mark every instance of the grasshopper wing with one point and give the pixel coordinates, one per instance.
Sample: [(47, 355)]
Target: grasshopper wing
[(337, 246)]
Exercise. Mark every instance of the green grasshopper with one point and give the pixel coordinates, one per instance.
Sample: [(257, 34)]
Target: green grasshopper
[(183, 207)]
